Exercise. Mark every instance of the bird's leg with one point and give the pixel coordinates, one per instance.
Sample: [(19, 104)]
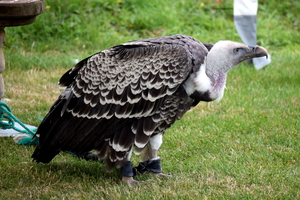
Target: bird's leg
[(152, 162), (128, 172), (152, 165)]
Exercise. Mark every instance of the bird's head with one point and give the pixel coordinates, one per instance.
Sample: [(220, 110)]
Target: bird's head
[(224, 55)]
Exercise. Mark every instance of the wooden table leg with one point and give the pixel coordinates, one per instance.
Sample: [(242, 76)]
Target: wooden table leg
[(2, 61)]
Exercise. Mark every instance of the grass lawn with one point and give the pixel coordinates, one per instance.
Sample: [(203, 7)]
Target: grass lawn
[(245, 147)]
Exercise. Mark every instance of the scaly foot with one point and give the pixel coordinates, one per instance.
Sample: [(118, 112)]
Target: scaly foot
[(131, 182), (161, 175)]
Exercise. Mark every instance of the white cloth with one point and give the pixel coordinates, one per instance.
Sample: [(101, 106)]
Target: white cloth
[(12, 132), (245, 7), (261, 62)]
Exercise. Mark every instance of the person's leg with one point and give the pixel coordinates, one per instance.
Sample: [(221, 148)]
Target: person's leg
[(245, 22)]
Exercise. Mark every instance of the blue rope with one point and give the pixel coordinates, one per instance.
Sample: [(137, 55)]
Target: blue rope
[(8, 120)]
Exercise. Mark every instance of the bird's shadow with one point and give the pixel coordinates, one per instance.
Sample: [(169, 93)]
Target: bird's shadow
[(79, 169)]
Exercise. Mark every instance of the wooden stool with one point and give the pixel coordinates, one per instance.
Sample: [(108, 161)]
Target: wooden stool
[(16, 13)]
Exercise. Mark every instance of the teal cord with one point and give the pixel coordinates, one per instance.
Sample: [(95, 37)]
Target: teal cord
[(8, 120)]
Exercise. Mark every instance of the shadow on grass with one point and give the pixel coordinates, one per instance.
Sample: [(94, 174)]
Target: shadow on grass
[(79, 169)]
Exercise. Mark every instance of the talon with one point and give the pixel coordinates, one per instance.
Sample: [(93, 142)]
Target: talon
[(131, 182), (161, 175)]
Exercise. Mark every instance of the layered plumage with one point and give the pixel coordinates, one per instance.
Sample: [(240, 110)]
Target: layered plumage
[(119, 99)]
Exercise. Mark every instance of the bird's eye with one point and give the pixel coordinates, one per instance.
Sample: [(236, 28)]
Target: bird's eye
[(237, 50)]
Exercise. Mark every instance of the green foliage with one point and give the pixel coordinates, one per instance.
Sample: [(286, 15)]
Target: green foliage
[(87, 26), (245, 147), (84, 27)]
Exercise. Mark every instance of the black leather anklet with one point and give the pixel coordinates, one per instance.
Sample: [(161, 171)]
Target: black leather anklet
[(127, 170), (151, 165)]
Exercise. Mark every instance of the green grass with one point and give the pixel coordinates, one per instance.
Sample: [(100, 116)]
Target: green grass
[(245, 147)]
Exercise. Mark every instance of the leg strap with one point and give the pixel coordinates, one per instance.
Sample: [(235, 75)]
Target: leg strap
[(151, 165), (127, 170)]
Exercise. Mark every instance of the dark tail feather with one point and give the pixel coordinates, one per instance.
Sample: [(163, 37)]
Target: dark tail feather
[(44, 156), (45, 151)]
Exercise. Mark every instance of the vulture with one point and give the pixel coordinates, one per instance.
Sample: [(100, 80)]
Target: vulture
[(121, 100)]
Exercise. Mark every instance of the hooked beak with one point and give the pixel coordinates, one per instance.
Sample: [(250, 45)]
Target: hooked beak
[(257, 51), (254, 52)]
